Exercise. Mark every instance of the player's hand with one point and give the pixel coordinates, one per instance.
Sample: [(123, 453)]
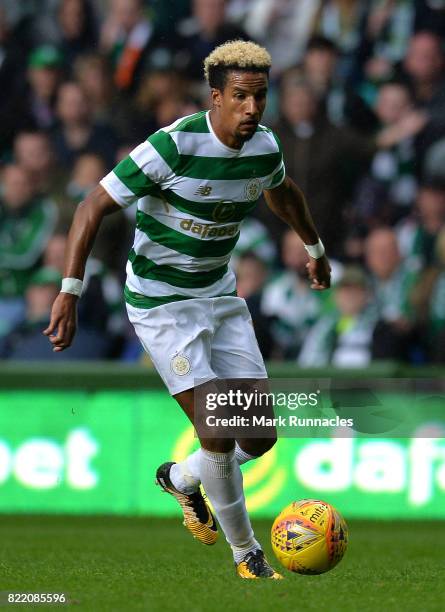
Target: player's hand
[(319, 272), (64, 320)]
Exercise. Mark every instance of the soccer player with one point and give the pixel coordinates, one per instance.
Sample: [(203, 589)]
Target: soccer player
[(194, 182)]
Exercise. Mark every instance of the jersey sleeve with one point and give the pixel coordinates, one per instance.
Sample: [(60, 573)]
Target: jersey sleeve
[(143, 172), (277, 176)]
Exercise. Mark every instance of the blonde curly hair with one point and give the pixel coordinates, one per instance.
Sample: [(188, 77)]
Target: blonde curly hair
[(232, 55)]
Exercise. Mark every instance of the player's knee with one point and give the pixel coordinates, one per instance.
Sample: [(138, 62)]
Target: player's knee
[(258, 446), (218, 445)]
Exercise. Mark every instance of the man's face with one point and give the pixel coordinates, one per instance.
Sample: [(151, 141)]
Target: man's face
[(43, 81), (431, 205), (298, 104), (126, 13), (210, 14), (293, 253), (33, 152), (72, 17), (382, 253), (393, 102), (351, 299), (320, 66), (17, 188), (241, 104), (72, 105), (424, 59)]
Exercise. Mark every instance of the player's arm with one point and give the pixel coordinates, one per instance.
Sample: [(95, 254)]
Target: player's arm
[(288, 202), (86, 222)]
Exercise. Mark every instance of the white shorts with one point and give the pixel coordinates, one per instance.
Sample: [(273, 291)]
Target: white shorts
[(196, 340)]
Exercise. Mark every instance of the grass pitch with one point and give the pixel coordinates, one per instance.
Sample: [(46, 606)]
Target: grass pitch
[(115, 563)]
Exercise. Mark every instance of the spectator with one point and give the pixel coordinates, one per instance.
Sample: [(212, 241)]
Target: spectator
[(255, 239), (322, 158), (387, 29), (70, 25), (113, 240), (207, 29), (387, 192), (35, 107), (102, 306), (26, 222), (392, 281), (252, 273), (12, 75), (125, 37), (344, 337), (289, 302), (26, 341), (160, 100), (33, 152), (340, 20), (417, 234), (77, 132), (429, 303), (76, 28), (283, 27), (337, 101), (92, 72), (88, 169), (424, 66)]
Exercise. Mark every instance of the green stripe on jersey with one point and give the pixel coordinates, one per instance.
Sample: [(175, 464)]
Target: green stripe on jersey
[(209, 210), (160, 233), (212, 168), (278, 178), (197, 123), (134, 179), (145, 268), (142, 301)]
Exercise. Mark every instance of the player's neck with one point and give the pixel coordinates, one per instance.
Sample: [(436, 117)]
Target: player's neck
[(221, 133)]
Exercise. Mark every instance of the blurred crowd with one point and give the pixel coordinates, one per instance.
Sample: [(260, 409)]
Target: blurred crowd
[(357, 98)]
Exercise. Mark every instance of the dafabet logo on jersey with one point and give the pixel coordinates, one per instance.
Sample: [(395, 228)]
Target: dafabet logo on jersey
[(207, 230)]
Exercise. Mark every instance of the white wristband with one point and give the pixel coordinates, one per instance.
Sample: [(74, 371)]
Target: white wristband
[(315, 250), (72, 285)]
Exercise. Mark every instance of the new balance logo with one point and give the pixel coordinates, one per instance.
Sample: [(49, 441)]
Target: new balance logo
[(203, 190)]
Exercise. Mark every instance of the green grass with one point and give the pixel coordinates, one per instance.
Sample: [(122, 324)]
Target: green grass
[(116, 563)]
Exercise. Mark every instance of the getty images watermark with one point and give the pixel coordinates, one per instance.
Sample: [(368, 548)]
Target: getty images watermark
[(256, 400), (317, 408)]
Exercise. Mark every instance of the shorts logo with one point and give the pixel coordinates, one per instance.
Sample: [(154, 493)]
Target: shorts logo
[(223, 211), (180, 365), (252, 189)]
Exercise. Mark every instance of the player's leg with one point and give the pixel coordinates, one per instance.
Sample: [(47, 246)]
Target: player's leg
[(222, 480), (216, 466), (235, 356), (185, 474), (176, 336)]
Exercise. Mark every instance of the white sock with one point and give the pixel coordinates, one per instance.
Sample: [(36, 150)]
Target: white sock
[(185, 474), (223, 482), (241, 456)]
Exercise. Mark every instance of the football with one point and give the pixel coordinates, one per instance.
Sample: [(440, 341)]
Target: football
[(309, 536)]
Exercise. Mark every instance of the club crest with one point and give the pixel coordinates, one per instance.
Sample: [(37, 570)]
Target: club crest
[(252, 189)]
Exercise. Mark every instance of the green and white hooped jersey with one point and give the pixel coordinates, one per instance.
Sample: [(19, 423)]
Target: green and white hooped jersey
[(193, 193)]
